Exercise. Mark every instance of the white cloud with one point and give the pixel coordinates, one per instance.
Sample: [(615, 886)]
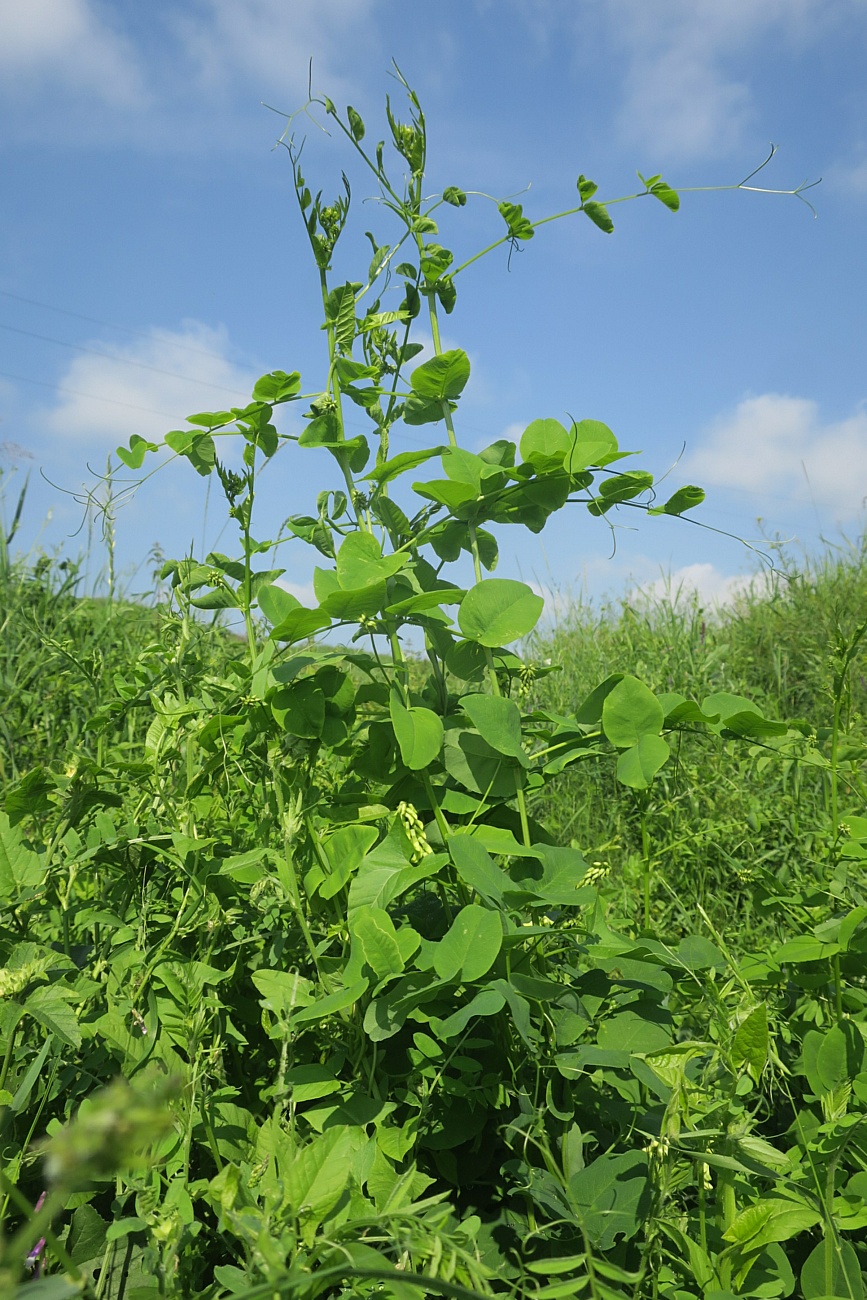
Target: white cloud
[(274, 41), (681, 97), (702, 582), (148, 387), (848, 177), (70, 41), (302, 591), (779, 444)]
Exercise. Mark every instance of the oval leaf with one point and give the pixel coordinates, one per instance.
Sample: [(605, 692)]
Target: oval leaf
[(499, 610), (637, 766), (631, 711), (471, 946), (419, 733), (750, 1047), (442, 377), (498, 721)]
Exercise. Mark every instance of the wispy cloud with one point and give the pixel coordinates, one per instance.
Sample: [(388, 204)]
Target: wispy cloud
[(147, 387), (780, 444), (682, 97), (176, 75), (848, 177), (73, 43), (275, 41), (704, 583)]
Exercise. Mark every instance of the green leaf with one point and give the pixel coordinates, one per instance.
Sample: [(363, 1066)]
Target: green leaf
[(282, 991), (333, 1003), (612, 1197), (666, 195), (684, 498), (356, 125), (840, 1056), (58, 1288), (598, 214), (770, 1220), (698, 953), (591, 443), (499, 610), (544, 444), (486, 1003), (134, 457), (276, 603), (589, 711), (477, 868), (316, 1173), (299, 624), (638, 765), (340, 313), (520, 227), (466, 467), (623, 487), (498, 721), (629, 1032), (443, 377), (457, 198), (470, 947), (345, 850), (311, 1083), (350, 605), (470, 761), (750, 1046), (20, 867), (86, 1240), (806, 947), (428, 600), (198, 448), (586, 189), (378, 938), (845, 1281), (631, 711), (405, 460), (360, 562), (210, 420), (276, 387), (419, 733), (299, 709), (50, 1006), (459, 498)]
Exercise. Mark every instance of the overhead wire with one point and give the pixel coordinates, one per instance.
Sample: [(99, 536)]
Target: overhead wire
[(123, 361), (95, 320), (91, 397)]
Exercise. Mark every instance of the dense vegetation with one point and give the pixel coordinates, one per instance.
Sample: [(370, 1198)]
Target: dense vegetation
[(329, 970)]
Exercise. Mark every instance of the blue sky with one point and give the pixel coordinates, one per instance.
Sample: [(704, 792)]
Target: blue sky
[(149, 226)]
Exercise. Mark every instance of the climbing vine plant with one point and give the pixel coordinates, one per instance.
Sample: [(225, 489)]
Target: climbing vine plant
[(379, 1032)]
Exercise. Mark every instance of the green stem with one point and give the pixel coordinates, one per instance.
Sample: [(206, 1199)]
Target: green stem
[(10, 1049), (838, 992), (835, 736), (477, 563), (645, 853), (441, 822), (288, 876), (336, 393)]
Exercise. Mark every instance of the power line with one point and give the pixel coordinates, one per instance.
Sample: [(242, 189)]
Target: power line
[(121, 361), (74, 392), (94, 320)]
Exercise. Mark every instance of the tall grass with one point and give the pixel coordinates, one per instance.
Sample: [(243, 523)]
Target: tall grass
[(67, 654), (721, 818)]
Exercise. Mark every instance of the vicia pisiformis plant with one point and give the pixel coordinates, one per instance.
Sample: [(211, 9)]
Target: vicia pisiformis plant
[(412, 1050)]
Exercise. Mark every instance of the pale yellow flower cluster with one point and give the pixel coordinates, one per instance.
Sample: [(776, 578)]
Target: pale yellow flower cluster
[(414, 827)]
